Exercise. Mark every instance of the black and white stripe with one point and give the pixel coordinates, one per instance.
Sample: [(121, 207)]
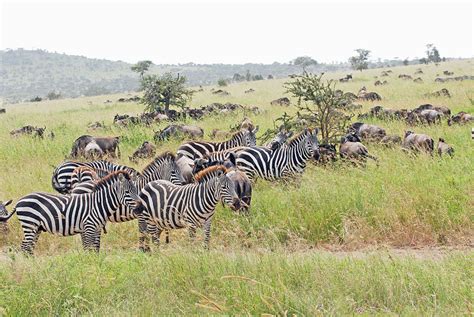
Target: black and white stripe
[(167, 206), (286, 160), (197, 149), (61, 179), (84, 214)]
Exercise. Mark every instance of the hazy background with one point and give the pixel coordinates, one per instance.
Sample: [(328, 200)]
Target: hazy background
[(238, 32)]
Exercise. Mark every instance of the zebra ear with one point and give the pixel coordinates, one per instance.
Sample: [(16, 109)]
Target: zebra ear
[(316, 130)]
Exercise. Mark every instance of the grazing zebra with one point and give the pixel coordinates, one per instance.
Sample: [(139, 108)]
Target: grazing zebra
[(196, 149), (163, 167), (3, 212), (65, 215), (61, 179), (287, 160), (167, 206)]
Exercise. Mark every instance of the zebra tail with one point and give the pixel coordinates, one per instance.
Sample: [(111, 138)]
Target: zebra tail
[(5, 218)]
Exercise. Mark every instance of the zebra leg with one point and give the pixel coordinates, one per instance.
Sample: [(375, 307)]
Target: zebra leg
[(91, 238), (143, 238), (167, 236), (192, 232), (155, 235), (207, 233), (29, 240)]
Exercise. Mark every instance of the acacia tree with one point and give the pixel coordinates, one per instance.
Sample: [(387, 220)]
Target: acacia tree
[(161, 92), (360, 61), (320, 103), (141, 67), (304, 61), (432, 53)]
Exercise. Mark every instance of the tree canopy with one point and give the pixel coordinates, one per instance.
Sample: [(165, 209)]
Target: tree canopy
[(141, 67), (304, 61), (360, 61)]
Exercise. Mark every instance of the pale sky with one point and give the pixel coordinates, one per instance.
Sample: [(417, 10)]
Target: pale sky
[(259, 31)]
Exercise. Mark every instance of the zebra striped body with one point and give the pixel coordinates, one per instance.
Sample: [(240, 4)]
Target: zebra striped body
[(167, 206), (162, 168), (196, 149), (286, 160), (77, 214), (61, 179)]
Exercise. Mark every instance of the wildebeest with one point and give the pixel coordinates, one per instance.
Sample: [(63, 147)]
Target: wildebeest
[(346, 78), (363, 94), (405, 77), (146, 150), (95, 125), (220, 134), (440, 93), (327, 153), (461, 118), (108, 145), (380, 83), (444, 148), (28, 130), (93, 151), (248, 91), (354, 151), (221, 92), (3, 212), (448, 73), (390, 140), (418, 80), (367, 131), (418, 142), (430, 116), (3, 110), (177, 130), (284, 101), (418, 71)]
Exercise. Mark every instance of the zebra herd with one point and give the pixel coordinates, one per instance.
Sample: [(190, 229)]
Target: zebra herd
[(161, 197)]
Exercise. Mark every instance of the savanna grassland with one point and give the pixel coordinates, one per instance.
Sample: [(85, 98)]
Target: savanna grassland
[(286, 256)]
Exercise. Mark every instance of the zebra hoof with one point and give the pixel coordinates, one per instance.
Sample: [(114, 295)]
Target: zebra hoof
[(145, 249)]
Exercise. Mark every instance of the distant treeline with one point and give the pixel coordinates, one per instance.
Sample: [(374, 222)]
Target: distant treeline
[(26, 74)]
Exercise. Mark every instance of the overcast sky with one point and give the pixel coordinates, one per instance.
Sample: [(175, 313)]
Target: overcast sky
[(237, 32)]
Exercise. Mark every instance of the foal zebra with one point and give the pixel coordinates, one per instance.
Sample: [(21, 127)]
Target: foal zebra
[(162, 167), (61, 179), (64, 215), (196, 149), (167, 206), (287, 160)]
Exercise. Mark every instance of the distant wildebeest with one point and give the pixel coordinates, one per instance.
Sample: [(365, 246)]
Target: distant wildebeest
[(95, 125), (3, 110), (346, 78), (221, 92), (430, 116), (440, 93), (219, 134), (367, 131), (108, 146), (418, 142), (28, 130), (390, 140), (284, 101), (380, 83), (327, 153), (384, 74), (3, 212), (444, 148), (418, 71), (418, 80), (405, 77), (448, 73), (176, 130), (354, 151), (363, 94), (146, 150), (461, 118), (248, 91)]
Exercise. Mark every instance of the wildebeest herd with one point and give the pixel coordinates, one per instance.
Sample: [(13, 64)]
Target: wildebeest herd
[(182, 190)]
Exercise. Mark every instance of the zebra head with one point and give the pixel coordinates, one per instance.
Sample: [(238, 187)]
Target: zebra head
[(164, 167), (227, 191), (250, 136), (312, 144), (126, 190), (280, 138), (3, 210)]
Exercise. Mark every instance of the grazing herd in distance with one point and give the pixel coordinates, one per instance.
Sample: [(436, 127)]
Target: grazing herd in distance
[(182, 190)]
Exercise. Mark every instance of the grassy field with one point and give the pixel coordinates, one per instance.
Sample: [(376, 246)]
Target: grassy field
[(270, 261)]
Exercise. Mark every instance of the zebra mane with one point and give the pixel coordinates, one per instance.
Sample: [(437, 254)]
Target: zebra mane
[(163, 157), (236, 134), (297, 137), (212, 169), (109, 179), (81, 169)]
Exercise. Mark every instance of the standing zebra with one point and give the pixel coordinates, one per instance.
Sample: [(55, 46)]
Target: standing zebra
[(61, 179), (64, 215), (287, 160), (163, 167), (196, 149), (167, 206)]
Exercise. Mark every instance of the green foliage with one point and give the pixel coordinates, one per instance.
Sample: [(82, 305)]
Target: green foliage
[(304, 61), (52, 95), (432, 54), (222, 82), (141, 67), (406, 62), (237, 77), (360, 61), (319, 103), (161, 92)]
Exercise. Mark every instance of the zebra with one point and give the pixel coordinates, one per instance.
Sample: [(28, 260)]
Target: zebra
[(3, 212), (85, 178), (61, 179), (66, 215), (196, 149), (287, 160), (167, 206), (162, 167)]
